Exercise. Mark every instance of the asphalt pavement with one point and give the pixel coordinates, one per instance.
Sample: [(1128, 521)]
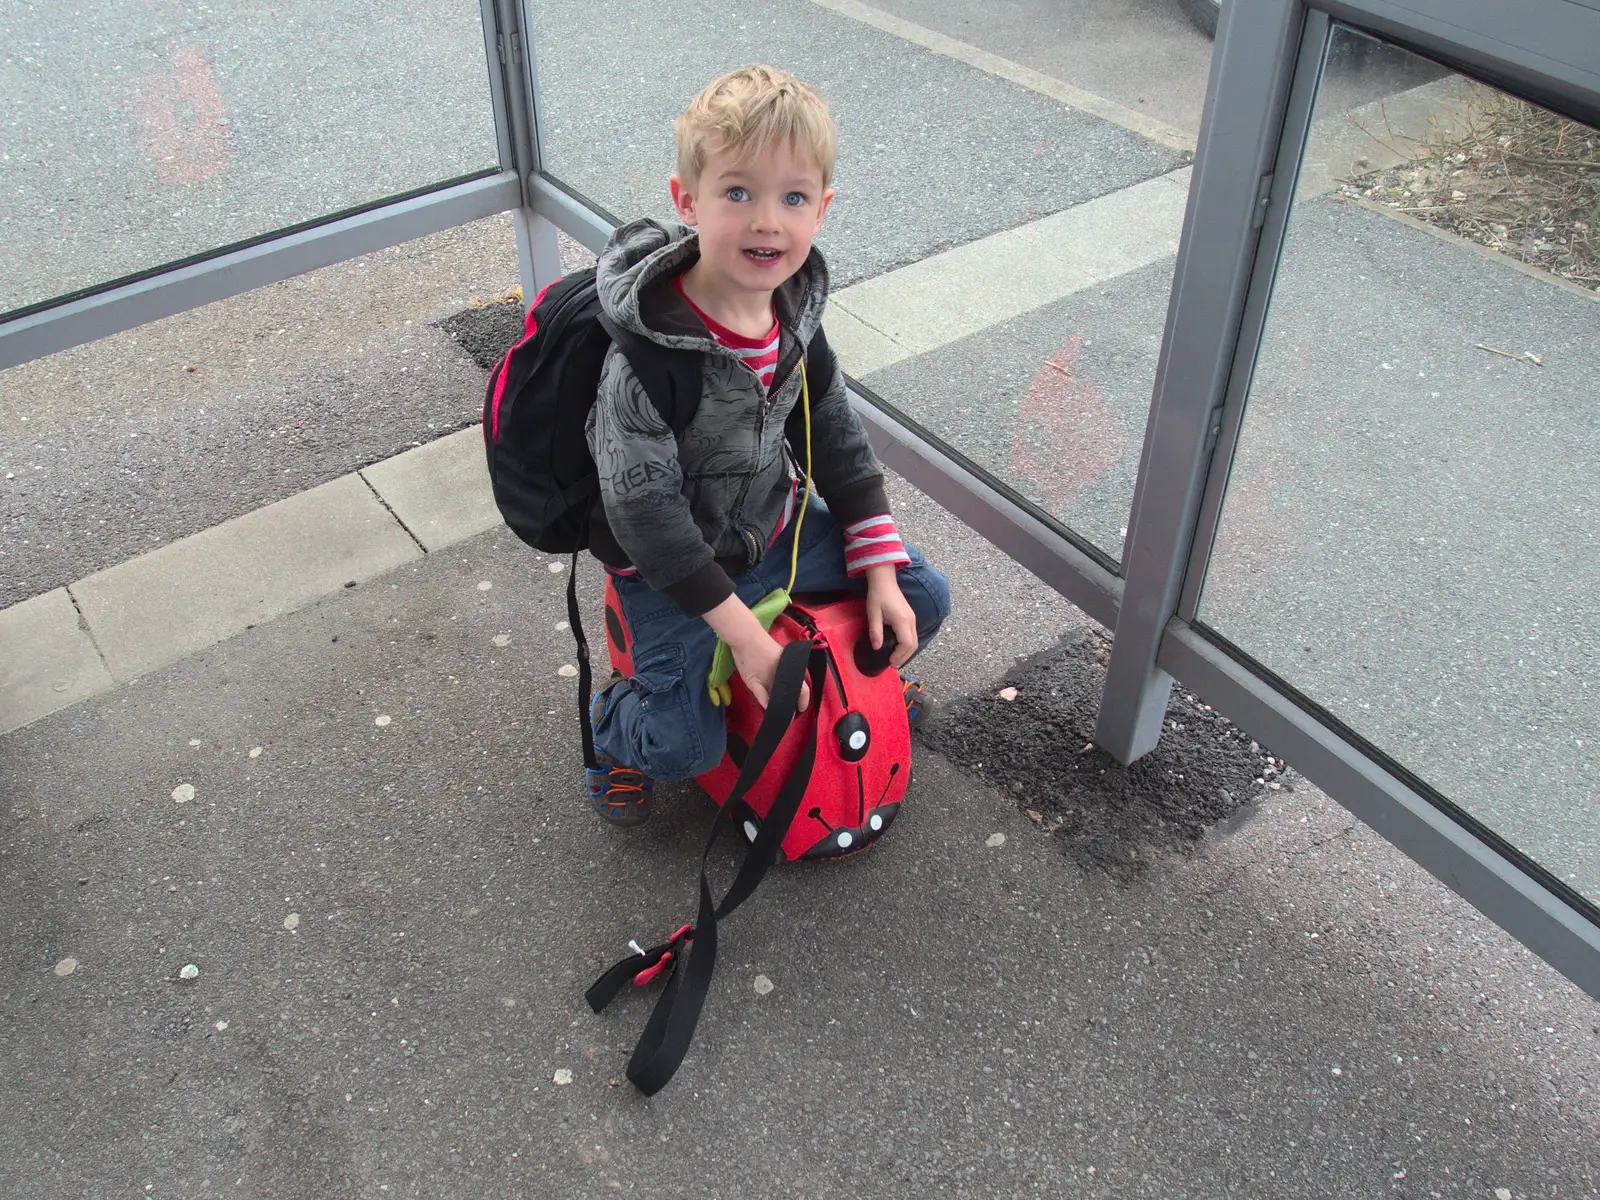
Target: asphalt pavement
[(393, 894), (1299, 1008)]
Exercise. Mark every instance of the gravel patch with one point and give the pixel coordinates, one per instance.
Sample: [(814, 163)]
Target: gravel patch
[(485, 332), (1037, 747)]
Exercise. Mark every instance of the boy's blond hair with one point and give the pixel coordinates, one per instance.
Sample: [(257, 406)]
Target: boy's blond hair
[(748, 112)]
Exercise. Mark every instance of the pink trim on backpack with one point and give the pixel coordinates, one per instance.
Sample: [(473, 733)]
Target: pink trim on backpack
[(530, 327)]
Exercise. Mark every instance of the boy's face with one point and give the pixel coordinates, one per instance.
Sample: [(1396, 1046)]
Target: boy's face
[(756, 215)]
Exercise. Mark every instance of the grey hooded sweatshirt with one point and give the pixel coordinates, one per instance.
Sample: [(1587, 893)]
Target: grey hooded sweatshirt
[(691, 510)]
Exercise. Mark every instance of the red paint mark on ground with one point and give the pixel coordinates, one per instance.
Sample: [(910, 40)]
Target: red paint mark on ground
[(183, 120), (1065, 433)]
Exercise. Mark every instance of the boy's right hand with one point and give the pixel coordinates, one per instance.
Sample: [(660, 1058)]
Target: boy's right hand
[(757, 663)]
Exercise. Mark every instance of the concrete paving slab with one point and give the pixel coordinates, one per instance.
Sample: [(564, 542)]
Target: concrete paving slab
[(167, 604), (393, 925), (861, 348), (440, 491), (974, 287), (47, 660)]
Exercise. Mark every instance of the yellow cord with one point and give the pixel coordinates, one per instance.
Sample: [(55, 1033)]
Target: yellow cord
[(722, 693), (805, 500)]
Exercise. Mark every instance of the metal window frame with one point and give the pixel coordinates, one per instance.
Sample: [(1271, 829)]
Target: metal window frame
[(175, 289), (1263, 83), (119, 305), (1547, 51)]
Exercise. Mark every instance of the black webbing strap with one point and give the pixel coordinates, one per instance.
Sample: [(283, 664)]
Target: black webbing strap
[(585, 675), (689, 956)]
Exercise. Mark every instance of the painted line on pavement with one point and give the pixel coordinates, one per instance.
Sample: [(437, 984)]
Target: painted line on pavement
[(964, 291), (940, 43)]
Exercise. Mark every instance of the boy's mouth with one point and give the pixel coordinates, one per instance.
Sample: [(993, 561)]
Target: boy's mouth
[(763, 254)]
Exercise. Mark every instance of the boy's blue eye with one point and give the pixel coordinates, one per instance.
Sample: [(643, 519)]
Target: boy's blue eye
[(738, 195), (795, 199)]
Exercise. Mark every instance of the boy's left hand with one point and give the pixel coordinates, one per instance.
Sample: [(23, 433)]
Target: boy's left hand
[(887, 605)]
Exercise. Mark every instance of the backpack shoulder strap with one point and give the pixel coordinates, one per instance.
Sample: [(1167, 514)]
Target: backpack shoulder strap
[(671, 378)]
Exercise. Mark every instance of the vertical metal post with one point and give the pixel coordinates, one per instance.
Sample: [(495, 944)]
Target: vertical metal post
[(1314, 48), (514, 86), (1253, 65)]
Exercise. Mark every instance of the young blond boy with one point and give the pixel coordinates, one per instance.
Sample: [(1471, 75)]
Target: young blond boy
[(696, 527)]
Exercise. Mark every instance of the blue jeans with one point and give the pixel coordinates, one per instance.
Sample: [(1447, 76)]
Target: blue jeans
[(662, 721)]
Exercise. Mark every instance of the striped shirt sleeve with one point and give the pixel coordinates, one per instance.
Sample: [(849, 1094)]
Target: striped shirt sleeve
[(871, 543)]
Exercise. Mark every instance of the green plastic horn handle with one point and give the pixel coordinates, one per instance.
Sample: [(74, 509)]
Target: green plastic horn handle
[(766, 610)]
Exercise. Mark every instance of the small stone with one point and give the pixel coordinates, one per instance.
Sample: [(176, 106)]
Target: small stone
[(1034, 815), (381, 720), (763, 985), (189, 972), (502, 639), (567, 671), (563, 1077), (292, 922), (1502, 1194), (183, 793), (221, 1025), (255, 751), (485, 586), (1338, 1070), (1008, 694), (194, 741), (66, 967), (995, 840), (556, 567)]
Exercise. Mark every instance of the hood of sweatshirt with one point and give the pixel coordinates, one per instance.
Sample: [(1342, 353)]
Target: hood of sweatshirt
[(642, 257)]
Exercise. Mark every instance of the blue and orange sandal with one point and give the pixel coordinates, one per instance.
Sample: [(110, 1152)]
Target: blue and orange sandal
[(916, 698), (621, 795)]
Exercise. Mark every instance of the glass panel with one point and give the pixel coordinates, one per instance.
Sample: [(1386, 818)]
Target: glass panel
[(1409, 535), (999, 262), (139, 132)]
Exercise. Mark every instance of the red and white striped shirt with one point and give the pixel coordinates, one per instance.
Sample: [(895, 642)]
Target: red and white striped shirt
[(873, 543), (759, 354)]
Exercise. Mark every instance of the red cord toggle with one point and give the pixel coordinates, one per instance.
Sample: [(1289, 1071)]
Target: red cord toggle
[(684, 933), (649, 973)]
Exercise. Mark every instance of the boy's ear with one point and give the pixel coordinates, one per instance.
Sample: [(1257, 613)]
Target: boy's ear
[(683, 201), (822, 209)]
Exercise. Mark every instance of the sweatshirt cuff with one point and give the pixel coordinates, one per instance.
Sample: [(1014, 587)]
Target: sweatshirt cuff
[(701, 591), (858, 502)]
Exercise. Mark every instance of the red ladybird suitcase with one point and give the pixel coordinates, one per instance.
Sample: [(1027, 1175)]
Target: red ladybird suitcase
[(863, 761), (821, 784)]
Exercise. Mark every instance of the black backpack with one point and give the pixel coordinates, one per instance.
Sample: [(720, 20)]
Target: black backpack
[(538, 401)]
